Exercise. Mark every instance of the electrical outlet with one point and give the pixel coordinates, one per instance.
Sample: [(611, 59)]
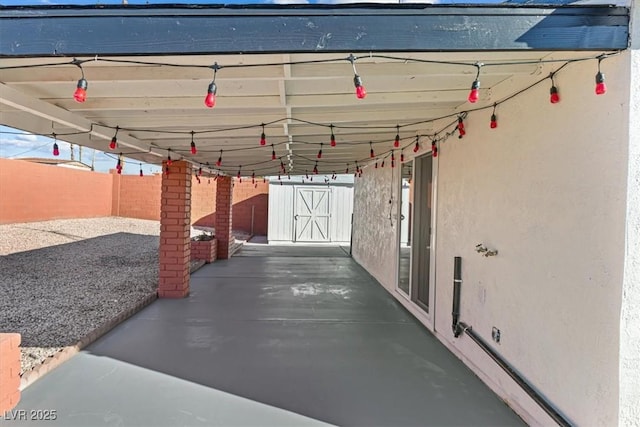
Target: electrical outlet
[(495, 334)]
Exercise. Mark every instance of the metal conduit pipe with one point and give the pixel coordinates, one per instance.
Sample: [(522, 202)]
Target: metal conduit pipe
[(461, 327)]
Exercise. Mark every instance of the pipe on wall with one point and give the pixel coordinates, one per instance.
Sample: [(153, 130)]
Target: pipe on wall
[(461, 327)]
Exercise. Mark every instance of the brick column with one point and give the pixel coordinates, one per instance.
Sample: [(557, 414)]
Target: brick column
[(175, 231), (224, 202), (9, 372)]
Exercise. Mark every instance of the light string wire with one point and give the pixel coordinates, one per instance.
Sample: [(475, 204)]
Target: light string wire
[(437, 137)]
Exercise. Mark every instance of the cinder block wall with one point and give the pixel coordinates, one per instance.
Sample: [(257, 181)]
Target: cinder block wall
[(9, 371), (36, 192)]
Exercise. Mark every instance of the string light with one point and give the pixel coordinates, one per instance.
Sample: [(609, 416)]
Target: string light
[(601, 87), (253, 177), (434, 148), (56, 149), (315, 168), (263, 137), (212, 90), (393, 159), (333, 137), (402, 156), (382, 163), (119, 164), (239, 172), (347, 170), (416, 147), (474, 94), (320, 152), (376, 164), (494, 119), (194, 150), (80, 95), (460, 127), (200, 171), (219, 162), (114, 141), (141, 174), (371, 153), (396, 143), (554, 97), (169, 161), (361, 92), (166, 170), (273, 152)]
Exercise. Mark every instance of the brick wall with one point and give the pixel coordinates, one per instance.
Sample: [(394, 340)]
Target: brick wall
[(9, 371), (36, 192)]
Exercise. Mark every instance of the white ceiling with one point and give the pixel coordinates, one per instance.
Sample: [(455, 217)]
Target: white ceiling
[(162, 98)]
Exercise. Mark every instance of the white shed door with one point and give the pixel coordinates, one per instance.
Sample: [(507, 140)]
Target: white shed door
[(312, 214)]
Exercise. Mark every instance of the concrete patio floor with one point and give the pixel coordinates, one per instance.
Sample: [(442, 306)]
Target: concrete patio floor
[(277, 335)]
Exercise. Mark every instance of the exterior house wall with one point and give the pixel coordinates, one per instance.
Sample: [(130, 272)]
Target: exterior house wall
[(36, 192), (548, 190), (630, 312), (375, 242)]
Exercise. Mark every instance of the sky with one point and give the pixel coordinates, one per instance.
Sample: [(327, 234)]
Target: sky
[(139, 2), (17, 144)]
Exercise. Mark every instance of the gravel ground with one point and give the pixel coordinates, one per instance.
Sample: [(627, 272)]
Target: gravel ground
[(60, 280)]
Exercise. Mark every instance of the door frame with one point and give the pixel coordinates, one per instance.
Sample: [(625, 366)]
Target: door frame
[(428, 315)]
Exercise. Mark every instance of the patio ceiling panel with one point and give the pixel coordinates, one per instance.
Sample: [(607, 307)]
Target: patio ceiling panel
[(157, 106)]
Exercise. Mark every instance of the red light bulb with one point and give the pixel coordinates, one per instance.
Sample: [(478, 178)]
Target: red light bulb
[(141, 174), (210, 99), (461, 130), (320, 154), (56, 150), (80, 95), (554, 97), (273, 154), (315, 169), (474, 95), (114, 143), (263, 139), (401, 157), (494, 122), (333, 140), (194, 150), (396, 143), (416, 147), (434, 149), (361, 92), (601, 87)]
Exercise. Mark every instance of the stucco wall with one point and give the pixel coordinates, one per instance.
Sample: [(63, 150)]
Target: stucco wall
[(375, 239), (630, 313), (547, 189)]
